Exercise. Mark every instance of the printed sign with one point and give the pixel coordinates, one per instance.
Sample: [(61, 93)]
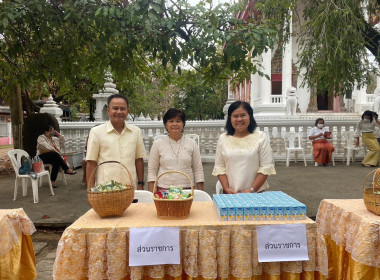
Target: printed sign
[(153, 246), (278, 243)]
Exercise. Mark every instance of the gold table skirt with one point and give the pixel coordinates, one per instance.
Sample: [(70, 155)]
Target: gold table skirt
[(352, 238), (95, 248), (17, 259)]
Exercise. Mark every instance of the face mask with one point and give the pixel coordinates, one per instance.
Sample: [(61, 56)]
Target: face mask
[(320, 125), (366, 120)]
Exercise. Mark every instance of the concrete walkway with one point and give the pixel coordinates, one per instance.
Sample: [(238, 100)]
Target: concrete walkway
[(307, 184)]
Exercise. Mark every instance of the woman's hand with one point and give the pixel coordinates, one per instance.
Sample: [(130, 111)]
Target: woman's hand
[(357, 142), (229, 191), (245, 191)]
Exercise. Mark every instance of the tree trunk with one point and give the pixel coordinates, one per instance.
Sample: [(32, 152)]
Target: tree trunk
[(27, 104), (17, 116)]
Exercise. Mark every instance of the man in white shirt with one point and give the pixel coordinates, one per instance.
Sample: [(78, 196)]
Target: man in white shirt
[(116, 140)]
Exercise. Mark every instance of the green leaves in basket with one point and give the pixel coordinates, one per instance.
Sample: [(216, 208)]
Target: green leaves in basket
[(109, 186)]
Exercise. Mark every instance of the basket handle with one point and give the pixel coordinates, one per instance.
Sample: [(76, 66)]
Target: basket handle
[(104, 162), (173, 171), (374, 179)]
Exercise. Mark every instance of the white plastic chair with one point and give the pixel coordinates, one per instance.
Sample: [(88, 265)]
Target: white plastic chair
[(350, 149), (312, 154), (195, 137), (218, 188), (293, 144), (16, 156), (201, 196), (143, 196)]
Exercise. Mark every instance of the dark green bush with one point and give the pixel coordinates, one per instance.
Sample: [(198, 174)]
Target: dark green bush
[(33, 127)]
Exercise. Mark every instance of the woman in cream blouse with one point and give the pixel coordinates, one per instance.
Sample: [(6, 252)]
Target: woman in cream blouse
[(366, 126), (175, 152), (244, 158)]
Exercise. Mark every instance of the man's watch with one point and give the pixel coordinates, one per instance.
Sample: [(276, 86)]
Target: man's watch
[(141, 183), (252, 190)]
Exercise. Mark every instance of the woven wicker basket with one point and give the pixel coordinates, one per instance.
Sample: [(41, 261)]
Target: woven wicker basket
[(173, 209), (112, 203), (370, 196)]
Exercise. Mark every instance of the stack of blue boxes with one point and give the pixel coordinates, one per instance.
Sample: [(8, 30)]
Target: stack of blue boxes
[(258, 207)]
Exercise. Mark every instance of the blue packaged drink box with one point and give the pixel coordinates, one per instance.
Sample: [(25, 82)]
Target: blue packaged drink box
[(287, 212), (220, 208), (279, 213), (302, 211), (239, 210), (230, 208), (247, 208)]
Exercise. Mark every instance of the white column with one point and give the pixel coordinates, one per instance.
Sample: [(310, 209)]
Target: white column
[(287, 65), (303, 93), (266, 85), (378, 81), (230, 99), (361, 99), (9, 132)]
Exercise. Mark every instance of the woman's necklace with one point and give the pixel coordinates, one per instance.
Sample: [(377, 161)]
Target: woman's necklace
[(180, 146)]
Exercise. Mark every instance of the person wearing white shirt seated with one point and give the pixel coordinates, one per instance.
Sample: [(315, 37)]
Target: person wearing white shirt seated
[(366, 126), (322, 148), (48, 151)]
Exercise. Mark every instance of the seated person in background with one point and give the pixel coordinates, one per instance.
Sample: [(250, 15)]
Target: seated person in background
[(84, 164), (50, 154), (322, 148)]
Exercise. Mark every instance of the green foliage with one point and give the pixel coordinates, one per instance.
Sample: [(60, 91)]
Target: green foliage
[(71, 43), (199, 100), (33, 127), (333, 45)]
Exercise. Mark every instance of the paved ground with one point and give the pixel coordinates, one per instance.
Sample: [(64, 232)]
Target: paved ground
[(307, 184)]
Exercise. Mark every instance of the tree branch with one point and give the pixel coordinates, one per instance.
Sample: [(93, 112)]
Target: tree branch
[(372, 38)]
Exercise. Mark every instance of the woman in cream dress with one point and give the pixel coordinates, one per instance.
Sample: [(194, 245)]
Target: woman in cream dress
[(244, 158), (176, 152)]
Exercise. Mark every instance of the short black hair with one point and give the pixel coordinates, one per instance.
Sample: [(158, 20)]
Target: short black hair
[(368, 114), (173, 113), (318, 120), (252, 123), (117, 95), (48, 127)]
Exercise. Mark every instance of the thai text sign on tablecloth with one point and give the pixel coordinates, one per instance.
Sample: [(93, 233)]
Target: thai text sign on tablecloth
[(282, 243), (153, 246)]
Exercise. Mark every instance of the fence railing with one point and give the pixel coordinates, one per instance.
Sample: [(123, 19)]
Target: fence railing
[(209, 131), (370, 98), (276, 99)]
